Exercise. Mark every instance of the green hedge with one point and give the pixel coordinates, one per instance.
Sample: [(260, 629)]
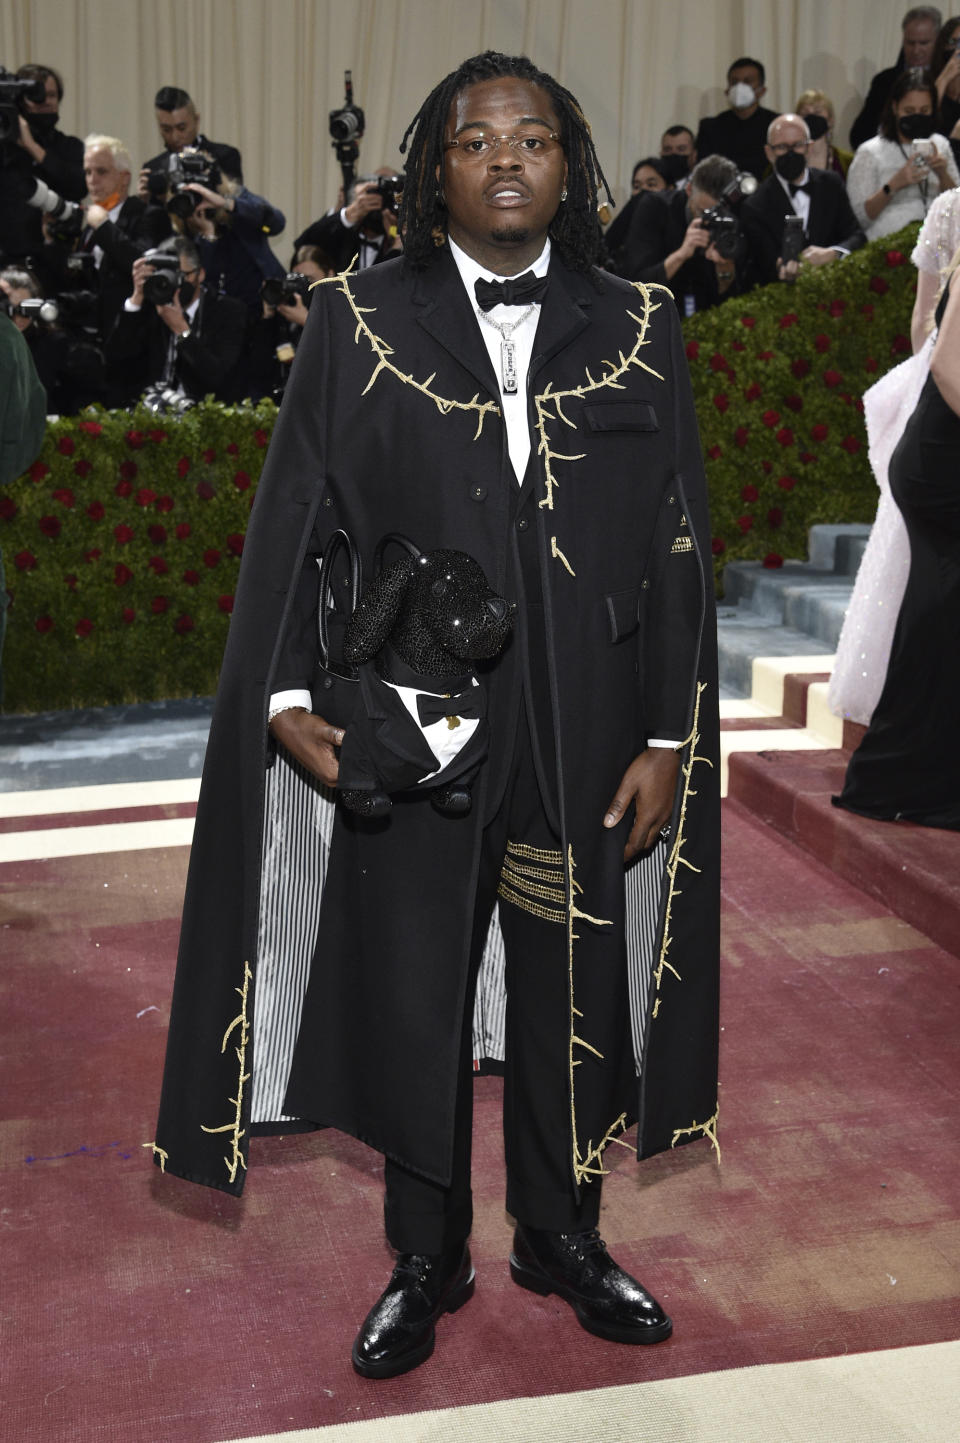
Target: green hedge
[(122, 542)]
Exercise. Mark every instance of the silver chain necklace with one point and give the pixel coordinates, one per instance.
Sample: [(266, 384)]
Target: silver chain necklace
[(508, 348)]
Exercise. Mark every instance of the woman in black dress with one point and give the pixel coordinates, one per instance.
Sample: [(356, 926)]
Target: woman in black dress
[(907, 767)]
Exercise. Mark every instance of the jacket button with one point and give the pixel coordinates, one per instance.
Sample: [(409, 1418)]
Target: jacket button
[(671, 500), (479, 493), (645, 584), (522, 524), (328, 500)]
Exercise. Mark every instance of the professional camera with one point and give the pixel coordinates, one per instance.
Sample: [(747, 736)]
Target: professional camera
[(190, 167), (389, 188), (66, 216), (794, 240), (160, 288), (13, 93), (346, 129), (165, 400), (722, 221), (37, 308), (285, 290)]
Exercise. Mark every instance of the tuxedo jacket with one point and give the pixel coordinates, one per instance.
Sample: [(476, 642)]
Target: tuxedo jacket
[(831, 222), (206, 362), (341, 242), (136, 229), (226, 156), (658, 224)]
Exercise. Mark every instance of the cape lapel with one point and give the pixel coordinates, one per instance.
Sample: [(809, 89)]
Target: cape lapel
[(447, 315), (563, 315)]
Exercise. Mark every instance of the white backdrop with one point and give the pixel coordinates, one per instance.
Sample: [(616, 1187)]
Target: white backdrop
[(265, 73)]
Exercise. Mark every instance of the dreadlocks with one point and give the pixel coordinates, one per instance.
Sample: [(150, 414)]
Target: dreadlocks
[(574, 230)]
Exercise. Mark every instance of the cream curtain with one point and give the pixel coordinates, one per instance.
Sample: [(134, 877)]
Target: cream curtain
[(265, 73)]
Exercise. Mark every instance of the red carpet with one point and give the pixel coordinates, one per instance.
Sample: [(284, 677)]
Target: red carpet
[(137, 1307)]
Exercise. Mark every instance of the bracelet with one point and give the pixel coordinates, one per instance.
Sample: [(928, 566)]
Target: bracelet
[(276, 710), (886, 190)]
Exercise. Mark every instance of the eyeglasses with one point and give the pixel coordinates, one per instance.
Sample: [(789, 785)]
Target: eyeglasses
[(532, 145), (796, 145)]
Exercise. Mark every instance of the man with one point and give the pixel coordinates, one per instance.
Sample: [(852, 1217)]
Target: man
[(920, 27), (818, 197), (740, 132), (41, 153), (577, 484), (678, 149), (669, 244), (363, 231), (178, 121), (187, 348)]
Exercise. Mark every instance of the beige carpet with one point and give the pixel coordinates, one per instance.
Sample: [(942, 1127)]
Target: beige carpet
[(899, 1396)]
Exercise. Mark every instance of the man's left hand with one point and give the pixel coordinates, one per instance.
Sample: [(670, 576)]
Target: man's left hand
[(650, 782), (819, 255)]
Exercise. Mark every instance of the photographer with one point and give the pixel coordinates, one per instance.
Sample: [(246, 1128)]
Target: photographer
[(690, 240), (817, 199), (179, 126), (71, 369), (33, 149), (273, 339), (181, 341), (365, 230)]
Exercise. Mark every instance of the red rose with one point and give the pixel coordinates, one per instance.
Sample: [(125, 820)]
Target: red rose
[(745, 523), (771, 418), (774, 516), (96, 511), (158, 565), (821, 343), (722, 402), (805, 457), (135, 439), (84, 626), (50, 526), (750, 493), (718, 362), (858, 405), (25, 561), (261, 438), (693, 350), (799, 368), (209, 455), (157, 437), (741, 436), (767, 467), (70, 581), (241, 480), (786, 483), (123, 534), (83, 467), (123, 488), (128, 470), (794, 402), (878, 285), (785, 436), (121, 574), (183, 465), (205, 491), (66, 445), (92, 428), (43, 624), (764, 355), (235, 543), (157, 533), (94, 554), (832, 379), (870, 364), (715, 453), (183, 624), (191, 578), (65, 496), (772, 560), (899, 345), (851, 444), (820, 431), (182, 530), (837, 307), (128, 614), (718, 546), (145, 497), (738, 345), (787, 321), (753, 392), (748, 321), (8, 508), (159, 604), (211, 558), (895, 258), (232, 448), (867, 310), (225, 603), (38, 470)]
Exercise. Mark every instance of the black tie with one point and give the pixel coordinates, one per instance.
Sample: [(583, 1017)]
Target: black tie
[(794, 188), (519, 292), (469, 703)]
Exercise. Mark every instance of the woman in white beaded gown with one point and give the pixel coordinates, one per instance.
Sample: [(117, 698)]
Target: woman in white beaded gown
[(864, 647)]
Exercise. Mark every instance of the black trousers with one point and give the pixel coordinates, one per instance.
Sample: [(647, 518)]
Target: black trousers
[(422, 1217)]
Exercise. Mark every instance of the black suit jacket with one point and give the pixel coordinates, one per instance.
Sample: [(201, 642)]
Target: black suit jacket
[(136, 228), (341, 242), (227, 157), (741, 141), (831, 222), (207, 361), (867, 122), (657, 226)]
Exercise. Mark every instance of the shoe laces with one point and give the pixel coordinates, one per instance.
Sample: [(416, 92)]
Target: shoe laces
[(587, 1243)]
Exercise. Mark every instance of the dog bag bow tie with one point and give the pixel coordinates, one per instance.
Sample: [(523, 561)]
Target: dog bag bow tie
[(519, 292), (469, 703)]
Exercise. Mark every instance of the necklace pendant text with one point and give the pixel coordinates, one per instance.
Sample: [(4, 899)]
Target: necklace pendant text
[(508, 366)]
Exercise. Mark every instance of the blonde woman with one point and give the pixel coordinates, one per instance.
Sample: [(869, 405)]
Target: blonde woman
[(818, 111)]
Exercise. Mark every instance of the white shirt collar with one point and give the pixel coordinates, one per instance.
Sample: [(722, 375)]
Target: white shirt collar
[(788, 183), (471, 271)]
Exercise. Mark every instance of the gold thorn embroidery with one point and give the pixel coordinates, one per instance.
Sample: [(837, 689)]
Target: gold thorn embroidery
[(158, 1152), (681, 543), (676, 859), (558, 555), (708, 1129), (237, 1159)]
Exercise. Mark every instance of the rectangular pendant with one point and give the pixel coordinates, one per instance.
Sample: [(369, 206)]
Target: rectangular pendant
[(508, 366)]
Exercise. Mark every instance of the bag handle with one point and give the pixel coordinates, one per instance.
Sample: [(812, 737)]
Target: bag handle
[(339, 542), (394, 537)]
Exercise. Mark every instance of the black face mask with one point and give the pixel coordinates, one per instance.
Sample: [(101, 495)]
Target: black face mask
[(916, 127), (674, 167), (42, 125), (792, 165), (817, 125)]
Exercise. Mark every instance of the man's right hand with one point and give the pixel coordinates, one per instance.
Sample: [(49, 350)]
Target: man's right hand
[(697, 238), (311, 740), (141, 269), (367, 199), (143, 187)]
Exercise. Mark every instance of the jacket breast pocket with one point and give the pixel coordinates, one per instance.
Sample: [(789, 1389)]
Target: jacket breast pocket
[(623, 613), (605, 416)]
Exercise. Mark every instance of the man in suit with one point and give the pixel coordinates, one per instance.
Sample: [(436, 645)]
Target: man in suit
[(178, 121), (920, 28), (490, 391), (363, 231), (818, 197), (190, 346), (740, 131)]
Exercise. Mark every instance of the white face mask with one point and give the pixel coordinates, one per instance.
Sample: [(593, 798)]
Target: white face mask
[(741, 95)]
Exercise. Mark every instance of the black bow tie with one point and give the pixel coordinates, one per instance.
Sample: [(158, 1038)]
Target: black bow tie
[(469, 703), (794, 188), (519, 292)]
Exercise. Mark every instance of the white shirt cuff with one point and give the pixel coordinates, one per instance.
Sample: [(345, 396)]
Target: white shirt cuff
[(662, 742), (285, 700), (130, 305)]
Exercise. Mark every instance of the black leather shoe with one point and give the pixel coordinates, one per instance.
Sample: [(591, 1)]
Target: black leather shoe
[(578, 1268), (398, 1332)]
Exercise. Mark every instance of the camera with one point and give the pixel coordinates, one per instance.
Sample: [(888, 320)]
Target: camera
[(190, 166), (389, 188), (166, 400), (722, 221), (285, 290), (347, 123), (37, 308), (794, 239), (66, 216), (13, 93), (160, 288)]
